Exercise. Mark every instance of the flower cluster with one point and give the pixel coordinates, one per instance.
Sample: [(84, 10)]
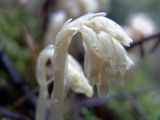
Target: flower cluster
[(105, 60), (103, 39)]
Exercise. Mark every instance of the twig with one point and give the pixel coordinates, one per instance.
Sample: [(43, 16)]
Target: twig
[(14, 77), (76, 108), (155, 45), (25, 97), (31, 45), (139, 42), (5, 92), (94, 102), (142, 50), (135, 105), (12, 115)]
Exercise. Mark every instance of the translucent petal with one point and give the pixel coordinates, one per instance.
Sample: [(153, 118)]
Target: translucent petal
[(116, 59), (94, 54), (101, 23), (74, 63), (107, 44), (115, 53), (91, 42), (91, 67), (103, 85), (121, 58), (78, 81)]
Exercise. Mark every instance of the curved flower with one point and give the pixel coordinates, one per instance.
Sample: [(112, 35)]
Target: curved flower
[(74, 79), (74, 75), (105, 56), (115, 31), (41, 76)]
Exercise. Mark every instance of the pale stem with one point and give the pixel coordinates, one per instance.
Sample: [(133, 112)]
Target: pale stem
[(58, 93), (41, 105)]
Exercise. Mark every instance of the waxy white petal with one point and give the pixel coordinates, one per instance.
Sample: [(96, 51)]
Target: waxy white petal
[(101, 23)]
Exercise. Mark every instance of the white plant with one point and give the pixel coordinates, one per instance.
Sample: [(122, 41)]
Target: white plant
[(41, 76), (74, 79), (105, 57)]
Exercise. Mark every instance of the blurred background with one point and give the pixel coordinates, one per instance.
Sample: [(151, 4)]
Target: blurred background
[(27, 26)]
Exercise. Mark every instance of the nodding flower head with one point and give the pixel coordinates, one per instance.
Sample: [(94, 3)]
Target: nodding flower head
[(41, 75), (103, 39), (106, 58), (76, 79), (44, 56), (74, 75), (115, 31)]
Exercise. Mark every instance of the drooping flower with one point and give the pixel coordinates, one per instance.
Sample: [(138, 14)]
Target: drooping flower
[(115, 31), (74, 79), (105, 56), (74, 75), (41, 76), (106, 39)]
